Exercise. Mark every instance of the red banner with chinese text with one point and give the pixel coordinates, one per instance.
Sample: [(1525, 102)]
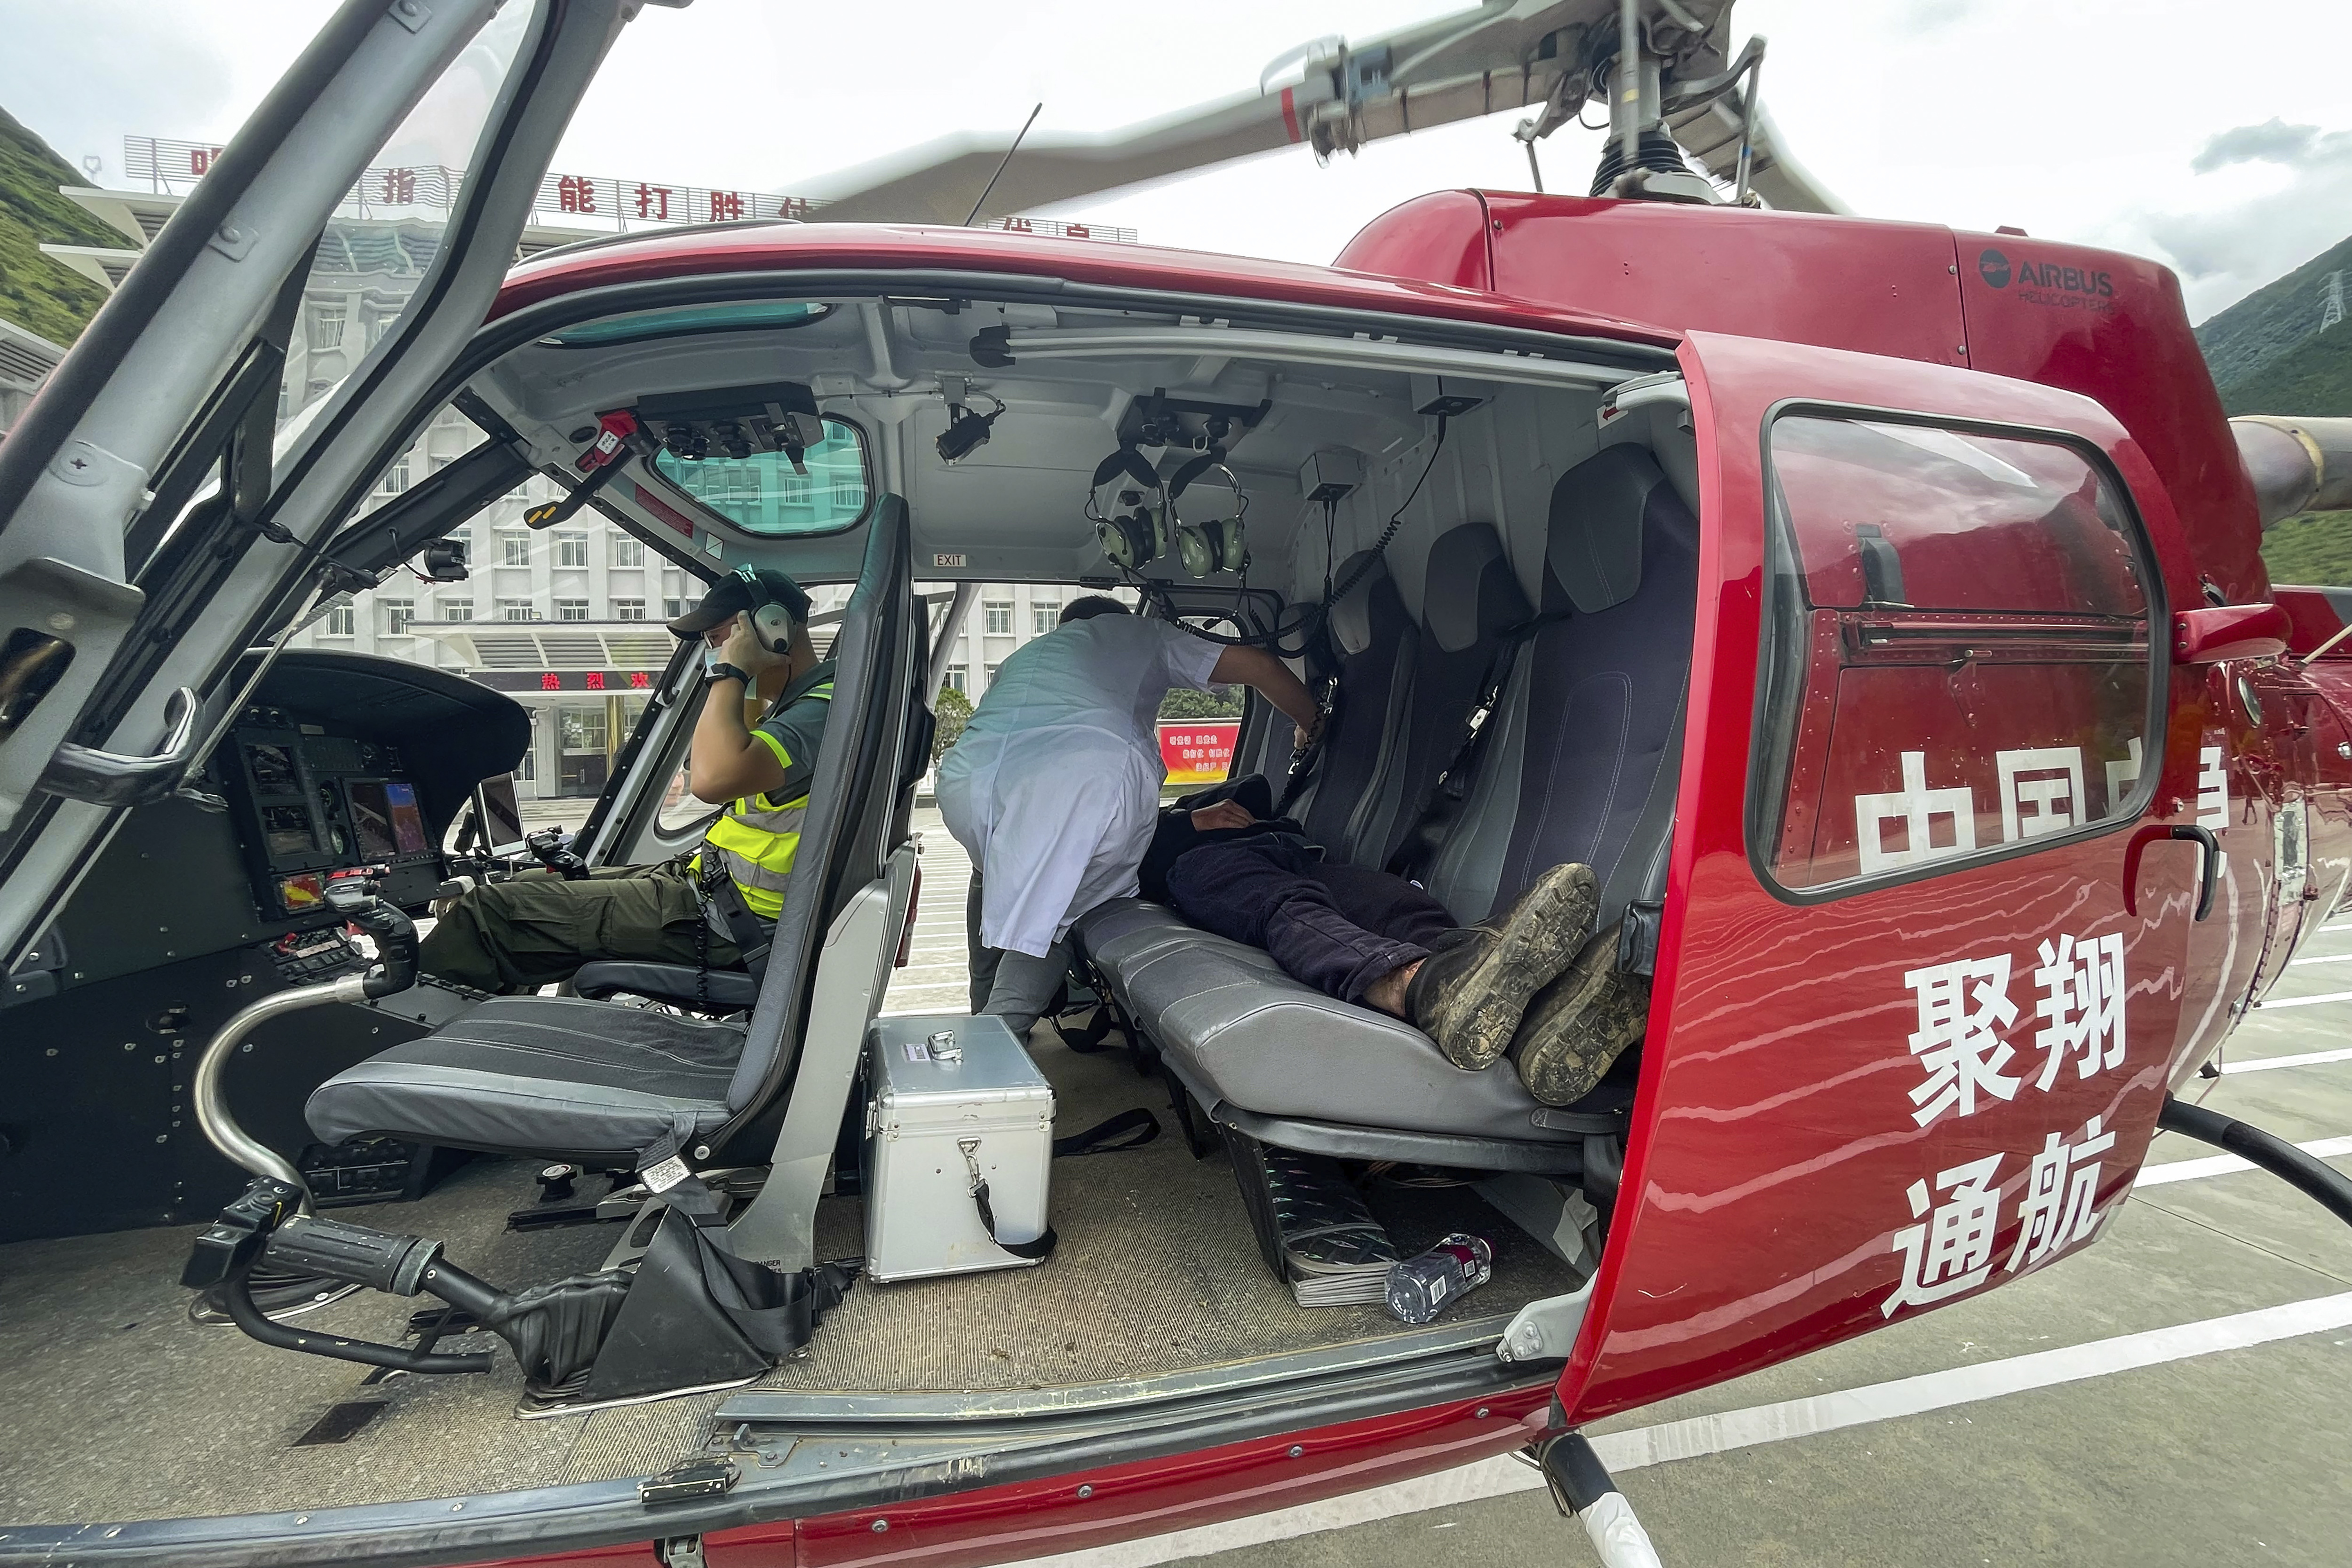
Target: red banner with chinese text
[(1197, 753)]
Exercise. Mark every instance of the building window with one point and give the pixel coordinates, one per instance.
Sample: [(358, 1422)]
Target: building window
[(990, 670), (628, 551), (572, 549), (516, 610), (340, 622), (628, 609), (514, 550), (999, 616), (572, 610), (1042, 616), (457, 609), (848, 494), (316, 390), (326, 326), (395, 478), (673, 608), (958, 675), (394, 615)]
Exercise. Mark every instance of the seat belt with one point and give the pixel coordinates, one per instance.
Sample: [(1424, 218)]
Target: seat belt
[(1303, 765), (751, 937), (1444, 799)]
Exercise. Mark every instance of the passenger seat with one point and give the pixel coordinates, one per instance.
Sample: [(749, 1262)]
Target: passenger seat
[(1581, 768), (1470, 602), (1373, 638), (1584, 759)]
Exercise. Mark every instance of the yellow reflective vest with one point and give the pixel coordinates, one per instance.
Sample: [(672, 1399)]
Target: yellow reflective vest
[(759, 837)]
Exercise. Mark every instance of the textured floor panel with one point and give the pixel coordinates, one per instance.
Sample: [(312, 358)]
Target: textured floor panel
[(1157, 1272), (143, 1415), (175, 1420)]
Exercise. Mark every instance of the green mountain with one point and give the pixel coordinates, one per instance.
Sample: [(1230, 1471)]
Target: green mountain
[(2247, 338), (36, 293), (2268, 356)]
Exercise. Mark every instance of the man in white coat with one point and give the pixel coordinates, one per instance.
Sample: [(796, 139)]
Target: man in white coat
[(1053, 789)]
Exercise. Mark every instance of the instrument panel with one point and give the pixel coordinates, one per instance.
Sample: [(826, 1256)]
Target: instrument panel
[(310, 803)]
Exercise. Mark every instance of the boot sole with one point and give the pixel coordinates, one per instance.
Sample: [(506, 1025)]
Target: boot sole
[(1540, 938), (1576, 1029)]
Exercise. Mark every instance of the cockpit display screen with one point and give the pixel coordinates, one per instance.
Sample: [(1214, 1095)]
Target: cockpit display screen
[(384, 818), (407, 822)]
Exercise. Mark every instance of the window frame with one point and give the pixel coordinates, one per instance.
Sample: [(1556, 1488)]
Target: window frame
[(570, 543), (988, 612), (1770, 748)]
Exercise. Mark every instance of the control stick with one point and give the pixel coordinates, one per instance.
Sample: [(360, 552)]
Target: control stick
[(354, 898), (549, 847)]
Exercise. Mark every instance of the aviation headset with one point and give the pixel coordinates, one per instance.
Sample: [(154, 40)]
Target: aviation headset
[(1218, 544), (771, 622), (1129, 538)]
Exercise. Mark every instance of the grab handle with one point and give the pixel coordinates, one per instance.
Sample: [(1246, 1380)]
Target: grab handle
[(2209, 869), (110, 779)]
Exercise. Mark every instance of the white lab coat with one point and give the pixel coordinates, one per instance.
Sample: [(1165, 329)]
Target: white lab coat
[(1054, 789)]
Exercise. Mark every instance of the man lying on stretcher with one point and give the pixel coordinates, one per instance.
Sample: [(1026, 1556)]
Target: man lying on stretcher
[(1532, 982)]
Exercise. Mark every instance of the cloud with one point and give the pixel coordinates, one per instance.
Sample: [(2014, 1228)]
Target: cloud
[(2272, 141), (2234, 244)]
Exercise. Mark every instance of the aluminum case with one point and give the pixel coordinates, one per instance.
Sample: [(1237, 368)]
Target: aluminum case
[(925, 1102)]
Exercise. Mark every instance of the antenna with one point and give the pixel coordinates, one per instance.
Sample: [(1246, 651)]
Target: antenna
[(2331, 301), (91, 163), (1009, 152)]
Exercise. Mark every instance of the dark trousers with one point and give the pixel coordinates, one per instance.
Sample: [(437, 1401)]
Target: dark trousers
[(536, 928), (1335, 927)]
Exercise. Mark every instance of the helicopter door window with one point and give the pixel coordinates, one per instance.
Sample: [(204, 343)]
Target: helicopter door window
[(1958, 653)]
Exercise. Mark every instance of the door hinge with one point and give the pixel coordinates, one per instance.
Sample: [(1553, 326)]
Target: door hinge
[(679, 1552), (694, 1479)]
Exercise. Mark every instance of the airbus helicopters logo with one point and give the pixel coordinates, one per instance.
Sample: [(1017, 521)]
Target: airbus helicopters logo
[(2048, 283)]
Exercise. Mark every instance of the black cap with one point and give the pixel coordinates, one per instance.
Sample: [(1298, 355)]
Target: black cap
[(731, 596)]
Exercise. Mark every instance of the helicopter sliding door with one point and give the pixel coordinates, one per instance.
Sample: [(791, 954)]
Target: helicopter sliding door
[(1907, 1040)]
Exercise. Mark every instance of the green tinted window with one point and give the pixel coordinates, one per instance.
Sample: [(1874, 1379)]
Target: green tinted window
[(762, 494)]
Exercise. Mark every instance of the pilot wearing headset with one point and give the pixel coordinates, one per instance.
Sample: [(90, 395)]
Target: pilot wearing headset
[(755, 747)]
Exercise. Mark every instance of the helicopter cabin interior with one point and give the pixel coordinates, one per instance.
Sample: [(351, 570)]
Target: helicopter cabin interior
[(1427, 524)]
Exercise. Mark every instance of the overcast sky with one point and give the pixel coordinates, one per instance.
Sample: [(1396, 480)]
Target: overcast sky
[(2216, 140)]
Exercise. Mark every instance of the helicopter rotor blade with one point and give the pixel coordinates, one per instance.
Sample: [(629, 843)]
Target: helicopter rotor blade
[(1505, 55)]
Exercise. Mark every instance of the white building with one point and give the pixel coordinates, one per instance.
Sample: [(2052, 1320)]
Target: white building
[(567, 620)]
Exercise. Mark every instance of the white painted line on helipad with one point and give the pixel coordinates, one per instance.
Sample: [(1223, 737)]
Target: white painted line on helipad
[(2323, 958), (2325, 929), (1703, 1435), (2308, 1059), (2223, 1165), (2307, 1001), (1966, 1385)]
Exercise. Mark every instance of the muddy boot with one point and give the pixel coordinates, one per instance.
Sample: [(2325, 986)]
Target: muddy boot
[(1471, 990), (1579, 1025)]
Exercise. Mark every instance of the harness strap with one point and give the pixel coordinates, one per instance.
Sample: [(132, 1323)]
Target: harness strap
[(1127, 1130), (1444, 799)]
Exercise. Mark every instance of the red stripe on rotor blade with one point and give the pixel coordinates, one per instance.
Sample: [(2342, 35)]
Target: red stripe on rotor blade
[(1289, 115)]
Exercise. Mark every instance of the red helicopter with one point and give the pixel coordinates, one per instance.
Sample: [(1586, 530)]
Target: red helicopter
[(1879, 609)]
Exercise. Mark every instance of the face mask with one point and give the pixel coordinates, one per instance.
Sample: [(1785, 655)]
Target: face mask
[(711, 657)]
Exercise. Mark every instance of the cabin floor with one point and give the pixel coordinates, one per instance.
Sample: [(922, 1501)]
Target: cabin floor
[(142, 1413)]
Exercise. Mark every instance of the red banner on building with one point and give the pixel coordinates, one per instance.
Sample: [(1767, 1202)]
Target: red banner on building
[(1199, 753)]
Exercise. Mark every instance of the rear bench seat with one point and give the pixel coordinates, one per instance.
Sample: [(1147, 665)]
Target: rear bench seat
[(1582, 767)]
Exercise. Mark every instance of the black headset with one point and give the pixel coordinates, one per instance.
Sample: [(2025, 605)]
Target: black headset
[(771, 623)]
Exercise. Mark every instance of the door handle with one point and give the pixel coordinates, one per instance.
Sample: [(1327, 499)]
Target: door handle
[(109, 778), (2209, 869)]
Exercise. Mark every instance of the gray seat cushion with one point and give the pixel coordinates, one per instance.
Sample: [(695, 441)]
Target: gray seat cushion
[(551, 1076), (725, 990), (1236, 1028)]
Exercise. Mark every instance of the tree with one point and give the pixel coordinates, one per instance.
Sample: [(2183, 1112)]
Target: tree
[(1217, 702), (954, 711)]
